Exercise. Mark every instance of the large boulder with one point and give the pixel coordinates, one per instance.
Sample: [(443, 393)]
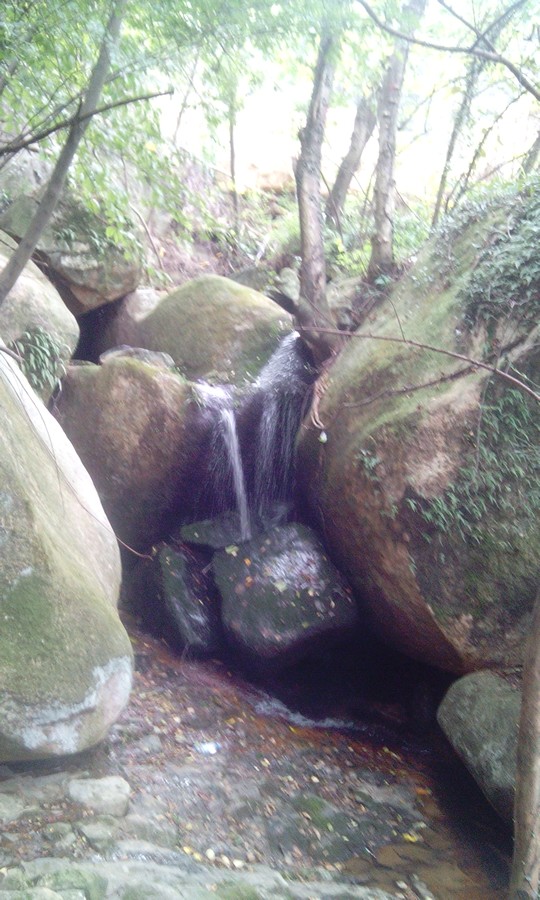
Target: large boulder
[(34, 304), (479, 715), (282, 597), (87, 266), (211, 326), (65, 659), (136, 429), (425, 474)]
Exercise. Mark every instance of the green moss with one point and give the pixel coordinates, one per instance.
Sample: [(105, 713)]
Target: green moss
[(213, 324)]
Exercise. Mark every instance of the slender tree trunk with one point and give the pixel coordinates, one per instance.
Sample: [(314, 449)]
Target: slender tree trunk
[(312, 309), (473, 74), (51, 196), (382, 250), (364, 124), (531, 158), (525, 878), (232, 168)]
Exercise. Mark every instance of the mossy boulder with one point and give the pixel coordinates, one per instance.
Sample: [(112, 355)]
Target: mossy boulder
[(425, 477), (212, 327), (282, 597), (65, 659), (141, 436), (88, 267), (34, 304), (479, 715)]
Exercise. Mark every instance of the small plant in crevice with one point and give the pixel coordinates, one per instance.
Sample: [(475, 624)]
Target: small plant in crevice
[(41, 358), (369, 461), (500, 477)]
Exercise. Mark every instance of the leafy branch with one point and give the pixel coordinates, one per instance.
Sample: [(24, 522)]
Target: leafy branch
[(75, 119), (473, 50)]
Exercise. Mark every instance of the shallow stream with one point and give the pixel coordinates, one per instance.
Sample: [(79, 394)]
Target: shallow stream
[(222, 773)]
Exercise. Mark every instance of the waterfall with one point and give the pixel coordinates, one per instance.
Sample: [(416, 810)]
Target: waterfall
[(225, 456), (252, 450), (282, 388)]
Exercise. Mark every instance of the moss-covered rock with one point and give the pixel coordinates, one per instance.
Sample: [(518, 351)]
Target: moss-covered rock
[(479, 715), (282, 597), (426, 479), (136, 429), (34, 304), (90, 268), (211, 326), (65, 659)]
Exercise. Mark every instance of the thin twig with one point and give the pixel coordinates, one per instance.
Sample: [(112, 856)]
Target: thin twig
[(449, 48), (474, 363)]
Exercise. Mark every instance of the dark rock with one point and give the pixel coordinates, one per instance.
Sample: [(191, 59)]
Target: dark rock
[(282, 597), (213, 534), (177, 600)]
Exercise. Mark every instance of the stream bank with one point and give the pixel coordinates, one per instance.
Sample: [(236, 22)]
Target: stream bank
[(206, 787)]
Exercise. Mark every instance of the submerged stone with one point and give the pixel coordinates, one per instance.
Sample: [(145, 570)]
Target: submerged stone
[(282, 597)]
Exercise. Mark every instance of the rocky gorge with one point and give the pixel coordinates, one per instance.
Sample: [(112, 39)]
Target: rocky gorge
[(411, 524)]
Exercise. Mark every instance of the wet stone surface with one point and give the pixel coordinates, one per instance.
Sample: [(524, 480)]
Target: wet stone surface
[(199, 792)]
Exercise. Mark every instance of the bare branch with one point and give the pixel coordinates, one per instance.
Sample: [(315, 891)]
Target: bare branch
[(447, 48), (474, 363)]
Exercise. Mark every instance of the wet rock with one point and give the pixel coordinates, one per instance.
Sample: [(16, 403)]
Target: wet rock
[(176, 599), (282, 597), (149, 881), (213, 534), (99, 832), (10, 808), (479, 715), (109, 795)]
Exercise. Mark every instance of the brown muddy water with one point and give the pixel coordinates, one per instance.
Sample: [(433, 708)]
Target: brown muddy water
[(233, 777)]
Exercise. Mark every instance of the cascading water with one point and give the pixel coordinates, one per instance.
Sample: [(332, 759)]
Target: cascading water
[(253, 446), (281, 391), (225, 457)]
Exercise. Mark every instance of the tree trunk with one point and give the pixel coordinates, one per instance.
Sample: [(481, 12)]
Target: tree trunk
[(531, 158), (364, 124), (232, 169), (312, 311), (475, 68), (51, 196), (525, 876), (382, 250)]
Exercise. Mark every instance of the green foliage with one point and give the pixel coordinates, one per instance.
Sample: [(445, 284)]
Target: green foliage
[(499, 477), (506, 280), (42, 357), (369, 461)]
